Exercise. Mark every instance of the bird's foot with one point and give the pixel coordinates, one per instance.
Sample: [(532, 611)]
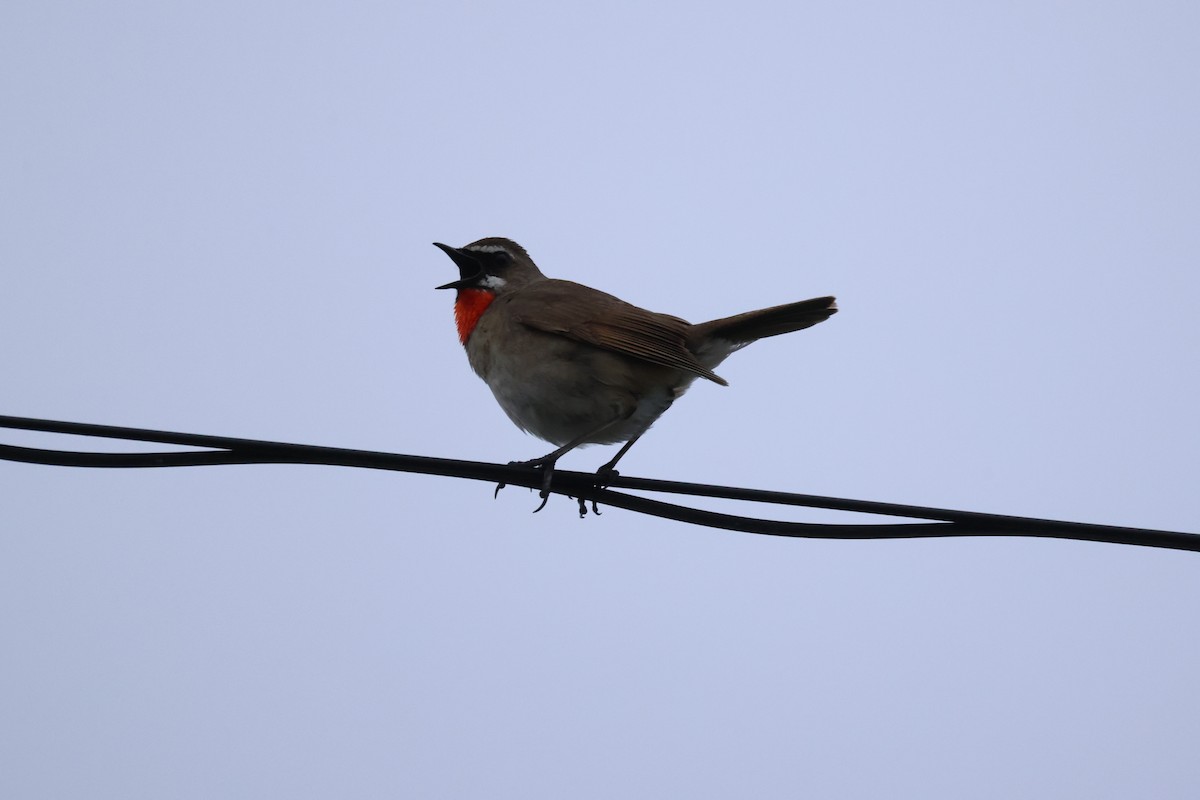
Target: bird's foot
[(603, 476), (547, 468), (547, 474), (583, 506)]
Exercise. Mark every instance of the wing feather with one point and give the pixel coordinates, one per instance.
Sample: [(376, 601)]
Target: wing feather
[(601, 320)]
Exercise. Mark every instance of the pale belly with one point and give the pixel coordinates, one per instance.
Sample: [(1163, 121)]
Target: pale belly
[(564, 392)]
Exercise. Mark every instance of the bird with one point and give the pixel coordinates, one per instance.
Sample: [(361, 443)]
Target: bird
[(576, 366)]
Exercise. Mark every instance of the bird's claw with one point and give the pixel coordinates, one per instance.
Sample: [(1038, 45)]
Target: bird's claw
[(603, 476), (583, 511), (547, 476)]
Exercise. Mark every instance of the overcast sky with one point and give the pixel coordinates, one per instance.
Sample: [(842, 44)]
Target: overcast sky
[(216, 218)]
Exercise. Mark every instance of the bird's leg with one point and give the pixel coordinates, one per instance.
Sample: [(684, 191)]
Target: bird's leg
[(607, 471), (546, 462)]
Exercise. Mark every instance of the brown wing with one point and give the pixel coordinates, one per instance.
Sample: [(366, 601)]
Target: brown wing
[(591, 316)]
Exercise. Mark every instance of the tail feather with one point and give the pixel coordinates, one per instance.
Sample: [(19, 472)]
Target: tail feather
[(741, 329)]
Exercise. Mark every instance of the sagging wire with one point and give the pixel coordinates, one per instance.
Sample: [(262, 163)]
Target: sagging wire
[(580, 486)]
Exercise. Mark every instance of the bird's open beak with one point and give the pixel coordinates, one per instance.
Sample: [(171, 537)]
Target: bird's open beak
[(469, 268)]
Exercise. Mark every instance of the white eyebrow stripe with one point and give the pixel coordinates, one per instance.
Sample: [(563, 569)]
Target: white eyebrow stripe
[(487, 248)]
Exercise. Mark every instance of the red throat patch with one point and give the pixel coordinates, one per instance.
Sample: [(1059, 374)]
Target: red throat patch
[(468, 308)]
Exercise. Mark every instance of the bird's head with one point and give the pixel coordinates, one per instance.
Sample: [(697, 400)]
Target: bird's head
[(488, 268), (493, 264)]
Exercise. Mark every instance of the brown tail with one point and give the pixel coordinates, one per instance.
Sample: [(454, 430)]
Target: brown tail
[(753, 325)]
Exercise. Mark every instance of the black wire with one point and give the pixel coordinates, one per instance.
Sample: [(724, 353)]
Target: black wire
[(226, 450)]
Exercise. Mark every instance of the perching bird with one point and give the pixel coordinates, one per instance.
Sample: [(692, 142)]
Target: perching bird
[(575, 366)]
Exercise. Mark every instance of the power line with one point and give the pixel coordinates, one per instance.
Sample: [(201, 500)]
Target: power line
[(581, 486)]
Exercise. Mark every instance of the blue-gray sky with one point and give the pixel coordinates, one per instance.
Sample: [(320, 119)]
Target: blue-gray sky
[(216, 218)]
